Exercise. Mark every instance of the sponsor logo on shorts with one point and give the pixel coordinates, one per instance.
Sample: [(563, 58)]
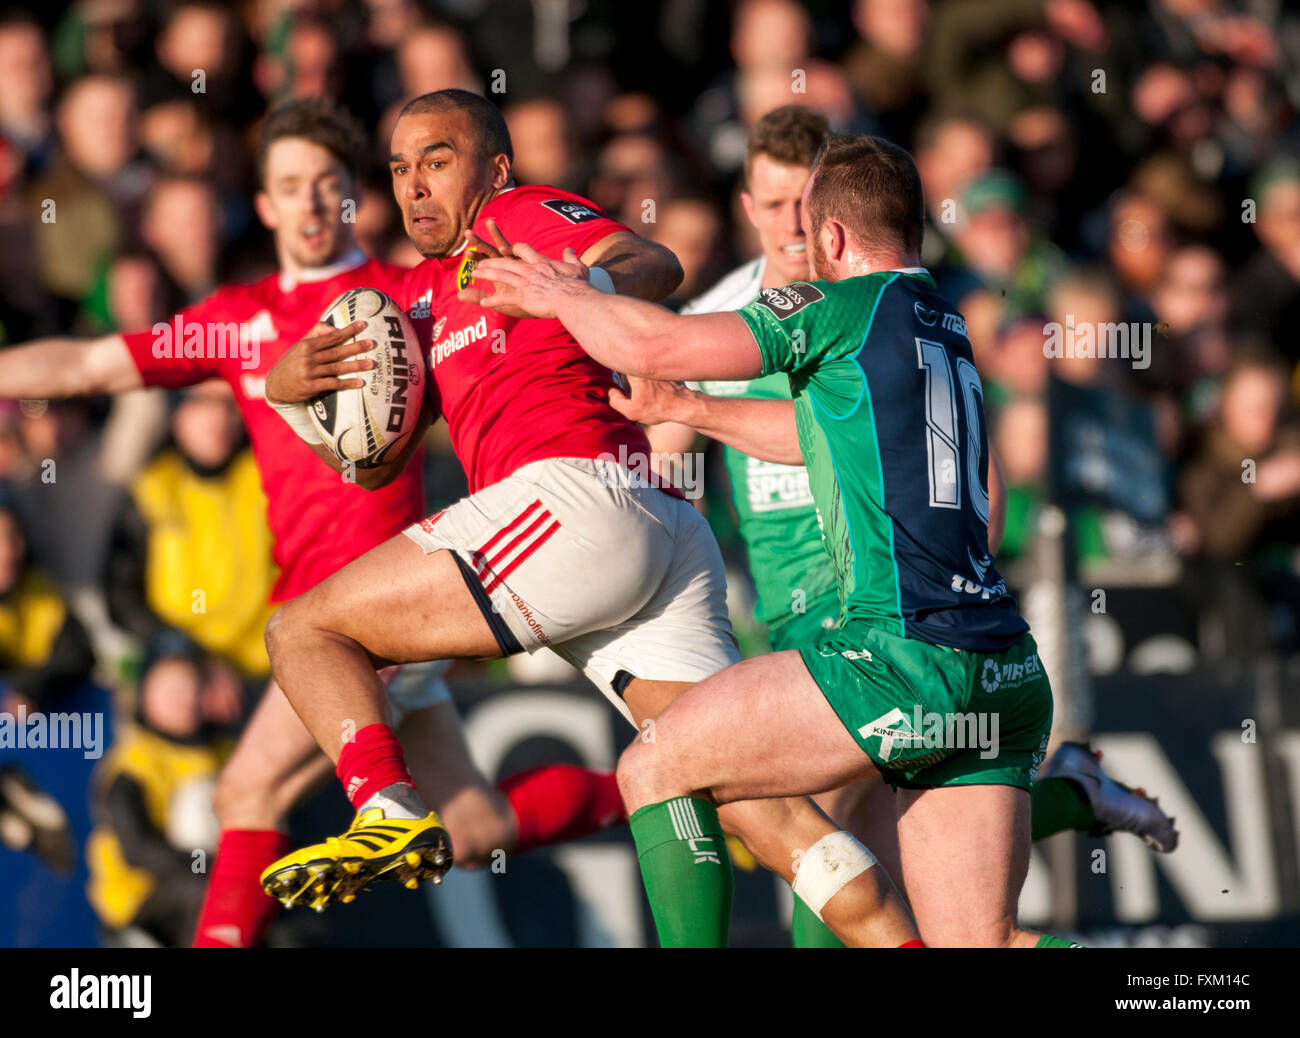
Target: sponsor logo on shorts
[(940, 732), (574, 212), (429, 522), (994, 675), (533, 623), (788, 301)]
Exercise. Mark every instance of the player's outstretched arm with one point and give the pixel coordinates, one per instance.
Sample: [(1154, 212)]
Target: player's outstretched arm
[(763, 429), (624, 334), (45, 369)]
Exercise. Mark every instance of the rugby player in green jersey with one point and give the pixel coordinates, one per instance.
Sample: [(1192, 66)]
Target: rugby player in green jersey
[(793, 576), (890, 423)]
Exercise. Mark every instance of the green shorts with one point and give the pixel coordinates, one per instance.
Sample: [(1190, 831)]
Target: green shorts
[(807, 628), (928, 715)]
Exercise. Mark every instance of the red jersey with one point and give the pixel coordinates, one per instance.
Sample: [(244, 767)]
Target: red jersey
[(319, 521), (513, 390)]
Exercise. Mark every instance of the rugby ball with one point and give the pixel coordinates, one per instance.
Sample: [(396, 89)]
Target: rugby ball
[(368, 426)]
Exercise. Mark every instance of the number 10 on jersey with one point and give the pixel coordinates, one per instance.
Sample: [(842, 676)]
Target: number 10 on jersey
[(942, 438)]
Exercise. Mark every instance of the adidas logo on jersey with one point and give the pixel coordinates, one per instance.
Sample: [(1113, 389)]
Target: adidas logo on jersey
[(423, 308)]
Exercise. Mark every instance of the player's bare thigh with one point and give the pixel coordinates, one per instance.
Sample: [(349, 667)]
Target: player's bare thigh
[(965, 852), (399, 604), (275, 762), (759, 728)]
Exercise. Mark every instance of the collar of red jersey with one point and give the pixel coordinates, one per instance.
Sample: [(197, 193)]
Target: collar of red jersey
[(354, 258)]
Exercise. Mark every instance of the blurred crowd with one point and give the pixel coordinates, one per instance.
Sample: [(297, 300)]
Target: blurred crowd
[(1084, 162)]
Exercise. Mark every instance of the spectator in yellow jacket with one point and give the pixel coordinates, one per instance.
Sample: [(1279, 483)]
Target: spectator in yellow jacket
[(191, 549)]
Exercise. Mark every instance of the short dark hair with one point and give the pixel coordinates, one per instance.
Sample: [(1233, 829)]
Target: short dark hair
[(321, 122), (872, 187), (790, 134), (491, 136)]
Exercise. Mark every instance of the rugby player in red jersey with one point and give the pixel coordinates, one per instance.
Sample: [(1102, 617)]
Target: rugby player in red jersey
[(557, 545), (309, 164)]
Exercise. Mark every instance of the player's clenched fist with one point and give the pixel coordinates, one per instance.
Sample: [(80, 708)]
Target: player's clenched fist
[(318, 362)]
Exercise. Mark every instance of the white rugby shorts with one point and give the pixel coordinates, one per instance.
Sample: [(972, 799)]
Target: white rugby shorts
[(622, 580)]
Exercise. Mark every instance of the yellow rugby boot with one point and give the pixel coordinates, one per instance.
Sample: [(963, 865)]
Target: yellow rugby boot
[(374, 847)]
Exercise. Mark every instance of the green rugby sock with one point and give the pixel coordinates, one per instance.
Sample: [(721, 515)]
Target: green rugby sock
[(807, 931), (1048, 941), (1058, 804), (687, 871)]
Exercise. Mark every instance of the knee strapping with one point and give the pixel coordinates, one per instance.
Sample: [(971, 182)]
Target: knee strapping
[(828, 866)]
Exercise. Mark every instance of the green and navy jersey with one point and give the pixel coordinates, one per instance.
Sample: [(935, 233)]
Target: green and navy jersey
[(890, 414), (774, 503)]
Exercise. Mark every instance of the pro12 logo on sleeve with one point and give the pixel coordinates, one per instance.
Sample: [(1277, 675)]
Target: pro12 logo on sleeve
[(574, 212), (783, 302)]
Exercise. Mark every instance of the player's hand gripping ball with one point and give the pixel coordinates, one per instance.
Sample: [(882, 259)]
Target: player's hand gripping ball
[(369, 425)]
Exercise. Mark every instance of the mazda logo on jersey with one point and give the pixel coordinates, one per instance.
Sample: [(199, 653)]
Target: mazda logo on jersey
[(574, 212), (925, 315), (783, 302)]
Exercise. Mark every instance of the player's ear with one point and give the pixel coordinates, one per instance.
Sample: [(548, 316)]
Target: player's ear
[(501, 172), (836, 239), (747, 204), (265, 211)]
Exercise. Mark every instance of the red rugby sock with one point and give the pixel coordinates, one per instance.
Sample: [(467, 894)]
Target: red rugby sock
[(371, 761), (559, 802), (235, 911), (918, 943)]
